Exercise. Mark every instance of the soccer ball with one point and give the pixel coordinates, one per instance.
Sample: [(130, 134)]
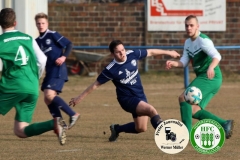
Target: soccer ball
[(193, 95)]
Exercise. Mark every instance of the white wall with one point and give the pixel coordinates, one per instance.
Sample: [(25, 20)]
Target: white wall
[(25, 12)]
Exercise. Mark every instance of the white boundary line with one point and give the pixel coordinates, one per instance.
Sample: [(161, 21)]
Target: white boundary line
[(69, 150)]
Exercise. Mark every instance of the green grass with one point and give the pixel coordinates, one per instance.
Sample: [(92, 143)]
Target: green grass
[(88, 139)]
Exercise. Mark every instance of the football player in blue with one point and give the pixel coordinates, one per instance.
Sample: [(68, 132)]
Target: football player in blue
[(123, 72), (56, 47)]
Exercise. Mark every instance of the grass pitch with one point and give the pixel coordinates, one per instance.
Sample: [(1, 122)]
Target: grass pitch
[(88, 139)]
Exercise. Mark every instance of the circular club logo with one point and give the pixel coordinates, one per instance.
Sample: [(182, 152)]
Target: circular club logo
[(207, 136), (171, 136)]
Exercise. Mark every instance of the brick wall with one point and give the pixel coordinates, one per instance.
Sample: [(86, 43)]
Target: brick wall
[(96, 24)]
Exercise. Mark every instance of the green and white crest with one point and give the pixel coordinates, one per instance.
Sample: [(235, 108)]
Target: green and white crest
[(207, 136)]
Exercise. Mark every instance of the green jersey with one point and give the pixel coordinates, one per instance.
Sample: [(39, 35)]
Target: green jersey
[(200, 52), (20, 70)]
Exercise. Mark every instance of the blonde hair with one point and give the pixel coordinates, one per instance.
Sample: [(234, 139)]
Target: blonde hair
[(41, 15)]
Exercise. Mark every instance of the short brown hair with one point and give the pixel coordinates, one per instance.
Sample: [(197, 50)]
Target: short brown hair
[(7, 18), (191, 17), (41, 15), (114, 44)]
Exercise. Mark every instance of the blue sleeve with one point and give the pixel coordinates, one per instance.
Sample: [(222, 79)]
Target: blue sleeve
[(104, 77), (140, 53), (67, 50), (61, 40)]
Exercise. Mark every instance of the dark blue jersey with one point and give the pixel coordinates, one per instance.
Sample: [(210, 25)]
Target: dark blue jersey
[(125, 75), (52, 44)]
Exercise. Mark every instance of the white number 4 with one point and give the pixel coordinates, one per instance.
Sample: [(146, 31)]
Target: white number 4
[(21, 56)]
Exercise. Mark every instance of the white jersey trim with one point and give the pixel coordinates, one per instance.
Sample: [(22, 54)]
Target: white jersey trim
[(41, 58), (11, 31), (107, 76), (59, 39), (140, 53), (48, 31), (110, 65), (129, 51)]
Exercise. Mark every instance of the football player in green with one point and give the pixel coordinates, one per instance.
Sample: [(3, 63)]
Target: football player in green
[(23, 65), (199, 49)]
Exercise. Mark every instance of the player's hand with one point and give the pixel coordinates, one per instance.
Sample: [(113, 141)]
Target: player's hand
[(174, 54), (74, 101), (169, 64), (210, 73), (60, 60)]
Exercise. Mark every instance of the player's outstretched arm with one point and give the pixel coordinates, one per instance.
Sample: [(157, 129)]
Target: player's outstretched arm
[(155, 52), (88, 90)]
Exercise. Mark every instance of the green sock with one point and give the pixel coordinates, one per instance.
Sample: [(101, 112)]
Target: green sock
[(39, 128), (186, 114), (203, 114)]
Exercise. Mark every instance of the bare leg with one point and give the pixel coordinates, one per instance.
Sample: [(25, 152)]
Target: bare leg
[(141, 123), (19, 129), (145, 109)]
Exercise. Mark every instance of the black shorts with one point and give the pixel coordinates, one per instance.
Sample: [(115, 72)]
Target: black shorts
[(129, 104), (55, 84)]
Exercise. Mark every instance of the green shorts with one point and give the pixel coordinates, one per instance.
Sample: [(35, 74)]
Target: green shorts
[(209, 87), (24, 104)]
